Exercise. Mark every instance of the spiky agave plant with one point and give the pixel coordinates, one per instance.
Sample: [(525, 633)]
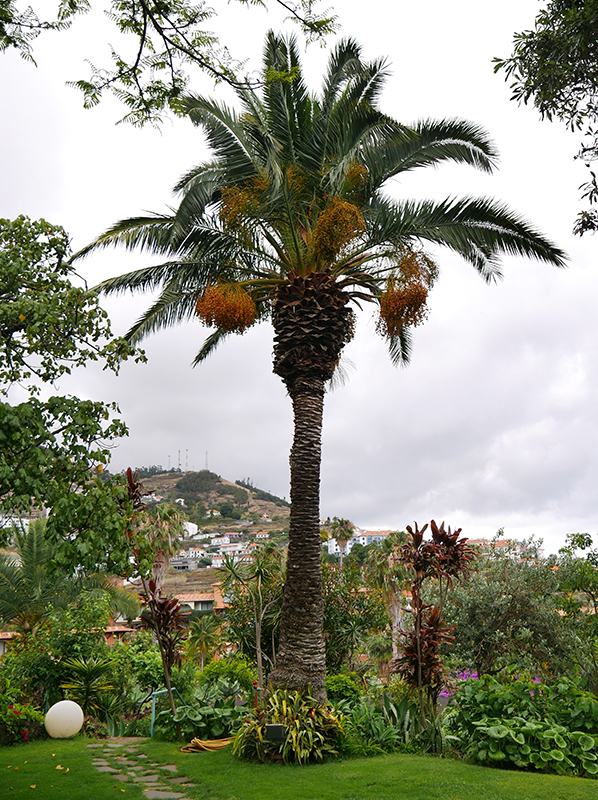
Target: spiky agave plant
[(291, 211)]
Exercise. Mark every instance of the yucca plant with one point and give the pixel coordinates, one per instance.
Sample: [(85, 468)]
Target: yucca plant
[(90, 685)]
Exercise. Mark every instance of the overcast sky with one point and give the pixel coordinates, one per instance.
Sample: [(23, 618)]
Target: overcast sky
[(494, 424)]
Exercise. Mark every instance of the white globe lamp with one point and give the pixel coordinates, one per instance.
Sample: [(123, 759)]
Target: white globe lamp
[(64, 719)]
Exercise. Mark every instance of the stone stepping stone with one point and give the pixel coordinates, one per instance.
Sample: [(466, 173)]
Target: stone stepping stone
[(100, 762), (170, 767), (141, 755), (127, 761), (146, 778), (120, 777), (179, 780), (130, 749), (154, 794), (106, 769), (94, 745)]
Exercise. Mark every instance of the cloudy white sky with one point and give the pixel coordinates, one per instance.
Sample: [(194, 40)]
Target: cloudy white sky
[(494, 423)]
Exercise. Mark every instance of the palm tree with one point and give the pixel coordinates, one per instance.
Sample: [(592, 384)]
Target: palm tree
[(342, 530), (387, 574), (289, 221), (32, 589), (162, 528), (204, 636)]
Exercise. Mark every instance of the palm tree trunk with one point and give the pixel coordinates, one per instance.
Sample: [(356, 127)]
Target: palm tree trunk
[(396, 621), (301, 658), (160, 566)]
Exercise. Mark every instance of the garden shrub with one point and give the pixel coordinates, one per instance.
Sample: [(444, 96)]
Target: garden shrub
[(204, 722), (342, 687), (529, 725), (19, 721), (312, 731), (233, 668)]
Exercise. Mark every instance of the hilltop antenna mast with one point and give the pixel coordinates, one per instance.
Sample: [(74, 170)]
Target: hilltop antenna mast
[(206, 459), (186, 460), (179, 459), (169, 462)]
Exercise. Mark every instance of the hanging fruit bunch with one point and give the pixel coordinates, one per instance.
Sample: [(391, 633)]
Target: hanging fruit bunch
[(403, 303), (226, 306), (337, 225)]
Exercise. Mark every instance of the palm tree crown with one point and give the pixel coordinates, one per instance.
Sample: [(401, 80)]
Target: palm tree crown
[(290, 220)]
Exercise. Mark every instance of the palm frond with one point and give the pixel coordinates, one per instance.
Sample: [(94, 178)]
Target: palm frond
[(399, 348), (151, 233), (479, 229), (210, 344)]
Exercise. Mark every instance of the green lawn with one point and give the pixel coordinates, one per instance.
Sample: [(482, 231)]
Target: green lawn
[(219, 776)]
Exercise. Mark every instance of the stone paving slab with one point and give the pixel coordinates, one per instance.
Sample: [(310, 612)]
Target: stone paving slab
[(120, 777), (106, 769), (153, 794), (170, 767), (146, 778)]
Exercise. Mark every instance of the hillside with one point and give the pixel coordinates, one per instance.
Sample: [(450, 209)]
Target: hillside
[(213, 502)]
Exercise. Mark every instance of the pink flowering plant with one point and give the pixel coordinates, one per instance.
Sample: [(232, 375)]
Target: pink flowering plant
[(19, 721)]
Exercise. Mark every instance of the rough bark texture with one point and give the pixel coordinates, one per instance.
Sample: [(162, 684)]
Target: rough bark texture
[(312, 324), (301, 658)]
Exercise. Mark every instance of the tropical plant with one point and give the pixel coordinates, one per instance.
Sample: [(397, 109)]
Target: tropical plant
[(341, 530), (342, 687), (289, 221), (350, 615), (527, 724), (311, 731), (204, 637), (444, 559), (389, 576), (206, 721), (32, 588), (230, 668), (89, 683), (261, 582), (163, 615)]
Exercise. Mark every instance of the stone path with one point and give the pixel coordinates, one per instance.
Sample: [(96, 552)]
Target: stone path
[(125, 764)]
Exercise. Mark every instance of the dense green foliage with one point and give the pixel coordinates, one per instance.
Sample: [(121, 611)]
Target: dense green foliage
[(527, 724), (213, 714), (32, 587), (312, 731), (342, 687), (351, 612), (555, 65), (52, 451), (19, 721), (231, 668), (508, 612)]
